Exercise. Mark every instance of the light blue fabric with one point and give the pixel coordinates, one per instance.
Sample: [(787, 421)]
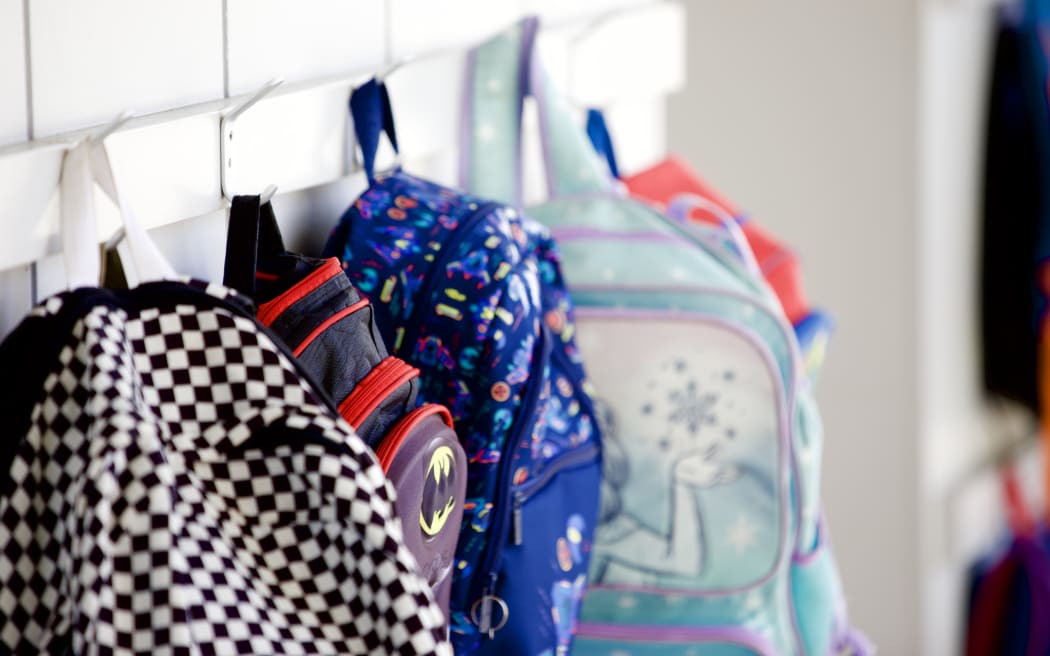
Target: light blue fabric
[(757, 580)]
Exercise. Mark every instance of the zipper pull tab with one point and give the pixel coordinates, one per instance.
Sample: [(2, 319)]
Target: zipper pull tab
[(517, 533), (481, 612)]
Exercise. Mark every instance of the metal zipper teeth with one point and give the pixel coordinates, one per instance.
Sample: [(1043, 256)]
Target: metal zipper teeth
[(582, 456), (414, 324), (500, 517)]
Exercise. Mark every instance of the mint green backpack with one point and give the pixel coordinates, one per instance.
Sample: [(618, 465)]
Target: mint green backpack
[(710, 537)]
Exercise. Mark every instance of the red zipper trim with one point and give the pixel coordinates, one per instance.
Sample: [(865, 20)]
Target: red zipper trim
[(396, 437), (381, 382), (327, 323), (270, 310)]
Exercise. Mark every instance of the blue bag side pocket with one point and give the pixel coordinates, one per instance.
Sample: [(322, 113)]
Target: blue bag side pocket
[(544, 564)]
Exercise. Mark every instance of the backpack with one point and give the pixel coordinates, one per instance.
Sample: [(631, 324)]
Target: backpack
[(311, 305), (173, 482), (673, 186), (710, 537), (470, 291)]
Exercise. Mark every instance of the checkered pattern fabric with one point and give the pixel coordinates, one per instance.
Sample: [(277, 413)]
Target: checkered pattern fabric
[(177, 487)]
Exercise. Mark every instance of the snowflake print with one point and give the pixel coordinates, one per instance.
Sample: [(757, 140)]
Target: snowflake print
[(692, 407)]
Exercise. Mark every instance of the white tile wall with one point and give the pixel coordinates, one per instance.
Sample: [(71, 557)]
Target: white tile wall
[(13, 127), (277, 38), (92, 60), (421, 26)]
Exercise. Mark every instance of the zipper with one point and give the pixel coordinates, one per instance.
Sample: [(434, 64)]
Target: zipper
[(414, 324), (500, 516), (269, 311), (392, 442), (583, 455), (327, 323), (380, 383), (652, 634)]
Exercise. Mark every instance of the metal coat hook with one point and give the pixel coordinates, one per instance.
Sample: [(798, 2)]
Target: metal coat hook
[(226, 133)]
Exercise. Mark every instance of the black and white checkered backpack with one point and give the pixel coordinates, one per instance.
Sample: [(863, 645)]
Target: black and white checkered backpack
[(172, 483)]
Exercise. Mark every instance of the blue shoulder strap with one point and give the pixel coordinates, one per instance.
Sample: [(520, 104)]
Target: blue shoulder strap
[(598, 132), (370, 109)]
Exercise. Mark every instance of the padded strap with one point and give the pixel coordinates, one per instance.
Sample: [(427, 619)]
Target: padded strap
[(252, 233), (370, 109), (598, 133), (501, 73)]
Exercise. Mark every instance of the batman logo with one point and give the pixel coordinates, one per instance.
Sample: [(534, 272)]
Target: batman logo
[(438, 500)]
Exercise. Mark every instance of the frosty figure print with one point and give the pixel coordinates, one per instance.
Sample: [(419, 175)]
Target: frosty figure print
[(675, 473)]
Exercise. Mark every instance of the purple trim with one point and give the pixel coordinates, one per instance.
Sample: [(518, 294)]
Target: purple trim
[(807, 558), (532, 85), (574, 233), (784, 401), (466, 123), (688, 634), (529, 26), (796, 368)]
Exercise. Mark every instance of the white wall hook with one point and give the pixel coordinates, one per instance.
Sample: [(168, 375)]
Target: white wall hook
[(226, 134), (267, 195), (113, 126)]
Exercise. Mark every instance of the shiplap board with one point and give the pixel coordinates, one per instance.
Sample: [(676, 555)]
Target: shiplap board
[(638, 127), (435, 83), (281, 38), (556, 11), (92, 60), (13, 125), (641, 52), (168, 163), (422, 26), (15, 299)]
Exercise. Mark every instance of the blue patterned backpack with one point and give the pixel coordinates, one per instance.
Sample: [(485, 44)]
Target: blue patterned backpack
[(471, 293), (710, 537)]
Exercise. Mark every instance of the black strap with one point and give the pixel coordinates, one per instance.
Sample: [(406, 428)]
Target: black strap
[(252, 234)]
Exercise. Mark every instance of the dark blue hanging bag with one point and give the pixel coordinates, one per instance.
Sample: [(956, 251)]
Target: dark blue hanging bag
[(470, 292)]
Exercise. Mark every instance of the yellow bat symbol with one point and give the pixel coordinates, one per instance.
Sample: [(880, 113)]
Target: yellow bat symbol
[(440, 467)]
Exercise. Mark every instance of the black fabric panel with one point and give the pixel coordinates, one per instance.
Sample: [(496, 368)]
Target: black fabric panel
[(297, 322), (375, 427), (1011, 227), (344, 353)]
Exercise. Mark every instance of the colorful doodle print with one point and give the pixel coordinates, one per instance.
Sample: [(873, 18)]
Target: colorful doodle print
[(466, 290)]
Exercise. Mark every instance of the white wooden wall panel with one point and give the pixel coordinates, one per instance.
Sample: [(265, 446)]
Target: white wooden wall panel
[(13, 126), (168, 163), (421, 26), (437, 84), (639, 53), (555, 11), (278, 38), (92, 60), (15, 301), (639, 131)]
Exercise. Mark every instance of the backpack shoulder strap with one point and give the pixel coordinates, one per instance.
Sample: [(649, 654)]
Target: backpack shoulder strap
[(501, 73)]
